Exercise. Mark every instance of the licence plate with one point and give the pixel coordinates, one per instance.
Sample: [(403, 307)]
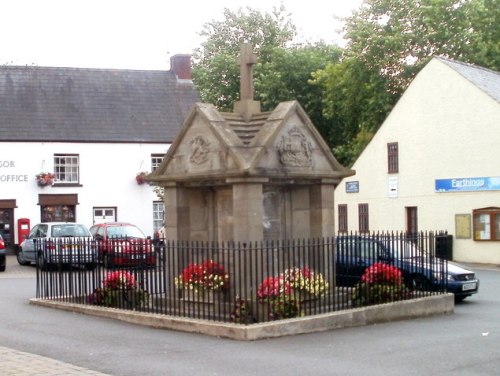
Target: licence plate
[(138, 257), (469, 286)]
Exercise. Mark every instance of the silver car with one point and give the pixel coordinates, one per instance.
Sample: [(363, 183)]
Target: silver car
[(58, 243)]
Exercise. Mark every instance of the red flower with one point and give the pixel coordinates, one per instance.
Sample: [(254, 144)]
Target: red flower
[(382, 273), (207, 275), (120, 279), (273, 287)]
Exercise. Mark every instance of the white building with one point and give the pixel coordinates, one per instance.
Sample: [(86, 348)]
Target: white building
[(434, 164), (95, 130)]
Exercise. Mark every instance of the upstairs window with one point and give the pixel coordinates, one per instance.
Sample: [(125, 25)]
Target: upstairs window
[(486, 224), (156, 160), (392, 157), (67, 168)]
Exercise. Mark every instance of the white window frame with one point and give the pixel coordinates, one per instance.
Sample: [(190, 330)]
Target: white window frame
[(67, 168), (156, 160), (158, 215)]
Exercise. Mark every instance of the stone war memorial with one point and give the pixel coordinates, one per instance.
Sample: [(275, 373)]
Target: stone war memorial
[(246, 177)]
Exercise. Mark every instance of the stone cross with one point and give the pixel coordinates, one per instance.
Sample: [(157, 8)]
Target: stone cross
[(246, 59)]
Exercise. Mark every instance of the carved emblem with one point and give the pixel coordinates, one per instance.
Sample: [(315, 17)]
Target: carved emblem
[(199, 150), (295, 150)]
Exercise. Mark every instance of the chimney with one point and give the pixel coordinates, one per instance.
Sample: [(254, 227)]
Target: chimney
[(181, 66)]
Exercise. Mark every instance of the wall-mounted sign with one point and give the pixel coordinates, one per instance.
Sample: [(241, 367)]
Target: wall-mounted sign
[(8, 173), (352, 186), (462, 226), (392, 184), (467, 184)]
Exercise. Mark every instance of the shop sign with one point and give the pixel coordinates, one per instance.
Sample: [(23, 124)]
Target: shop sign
[(467, 184), (7, 175)]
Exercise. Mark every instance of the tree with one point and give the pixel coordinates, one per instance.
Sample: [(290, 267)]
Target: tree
[(283, 71), (215, 72), (395, 38), (355, 102), (389, 41), (288, 76)]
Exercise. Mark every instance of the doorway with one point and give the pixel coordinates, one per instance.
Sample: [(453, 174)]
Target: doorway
[(104, 215)]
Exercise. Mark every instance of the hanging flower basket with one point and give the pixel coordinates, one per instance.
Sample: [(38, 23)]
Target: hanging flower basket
[(139, 178), (45, 178)]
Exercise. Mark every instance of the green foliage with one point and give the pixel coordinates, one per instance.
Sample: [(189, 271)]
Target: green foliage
[(284, 70), (347, 97), (215, 72), (395, 38), (389, 41)]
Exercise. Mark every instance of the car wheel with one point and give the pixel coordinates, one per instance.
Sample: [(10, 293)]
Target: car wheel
[(20, 259), (418, 282), (42, 263), (459, 299), (2, 268), (90, 266)]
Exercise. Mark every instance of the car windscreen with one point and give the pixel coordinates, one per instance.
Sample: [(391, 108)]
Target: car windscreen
[(69, 230), (125, 232), (403, 249)]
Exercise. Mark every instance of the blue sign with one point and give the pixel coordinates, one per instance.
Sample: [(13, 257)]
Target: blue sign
[(467, 184), (352, 186)]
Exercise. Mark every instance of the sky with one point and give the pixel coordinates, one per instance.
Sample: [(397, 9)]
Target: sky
[(136, 34)]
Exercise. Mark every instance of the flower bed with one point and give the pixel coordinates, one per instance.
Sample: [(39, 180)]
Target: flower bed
[(380, 283), (120, 290), (208, 275), (284, 294)]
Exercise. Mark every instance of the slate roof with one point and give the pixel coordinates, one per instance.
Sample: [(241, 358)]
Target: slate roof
[(486, 79), (92, 105)]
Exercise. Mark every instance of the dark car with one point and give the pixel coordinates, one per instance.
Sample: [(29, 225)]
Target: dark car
[(123, 244), (3, 254), (421, 270), (53, 243)]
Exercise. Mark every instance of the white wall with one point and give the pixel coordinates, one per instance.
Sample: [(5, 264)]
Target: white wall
[(107, 178), (445, 128)]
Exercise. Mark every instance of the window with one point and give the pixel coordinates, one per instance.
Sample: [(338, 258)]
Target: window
[(486, 224), (158, 215), (66, 168), (363, 218), (156, 160), (392, 157), (342, 217)]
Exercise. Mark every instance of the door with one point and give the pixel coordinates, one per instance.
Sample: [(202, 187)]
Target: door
[(411, 221), (7, 227), (104, 215)]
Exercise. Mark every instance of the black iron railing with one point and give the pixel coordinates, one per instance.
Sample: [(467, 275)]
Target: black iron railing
[(245, 282)]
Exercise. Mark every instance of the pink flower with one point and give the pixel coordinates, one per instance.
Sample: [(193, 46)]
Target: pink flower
[(120, 279), (273, 287)]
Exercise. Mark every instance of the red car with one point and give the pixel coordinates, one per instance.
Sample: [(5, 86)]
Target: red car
[(3, 253), (123, 244)]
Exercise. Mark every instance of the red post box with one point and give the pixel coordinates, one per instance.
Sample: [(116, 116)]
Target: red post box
[(23, 229)]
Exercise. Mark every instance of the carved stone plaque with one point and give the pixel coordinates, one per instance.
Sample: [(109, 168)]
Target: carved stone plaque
[(294, 149), (199, 150)]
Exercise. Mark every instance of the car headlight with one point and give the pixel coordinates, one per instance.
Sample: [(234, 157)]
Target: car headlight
[(439, 276)]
